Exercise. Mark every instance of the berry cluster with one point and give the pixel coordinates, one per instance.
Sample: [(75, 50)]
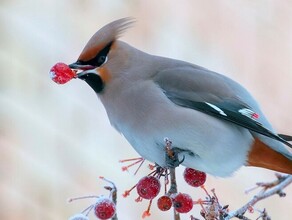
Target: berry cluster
[(149, 187)]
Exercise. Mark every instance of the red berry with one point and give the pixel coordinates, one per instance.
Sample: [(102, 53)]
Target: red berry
[(61, 73), (194, 177), (182, 203), (148, 187), (164, 203), (104, 208)]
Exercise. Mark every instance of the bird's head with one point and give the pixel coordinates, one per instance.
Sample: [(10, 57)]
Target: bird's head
[(102, 55)]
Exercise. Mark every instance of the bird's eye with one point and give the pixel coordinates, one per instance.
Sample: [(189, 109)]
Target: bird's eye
[(101, 60)]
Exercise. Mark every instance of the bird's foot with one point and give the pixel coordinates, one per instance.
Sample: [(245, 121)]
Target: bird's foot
[(172, 154)]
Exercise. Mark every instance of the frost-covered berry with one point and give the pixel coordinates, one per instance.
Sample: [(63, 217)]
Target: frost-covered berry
[(79, 216), (182, 203), (194, 177), (148, 187), (164, 203), (61, 73), (104, 208)]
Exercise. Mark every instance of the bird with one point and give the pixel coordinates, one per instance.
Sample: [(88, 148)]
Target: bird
[(213, 122)]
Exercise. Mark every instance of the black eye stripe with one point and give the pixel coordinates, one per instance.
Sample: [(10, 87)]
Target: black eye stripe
[(100, 58)]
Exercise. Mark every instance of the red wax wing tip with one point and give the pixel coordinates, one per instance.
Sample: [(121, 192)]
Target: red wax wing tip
[(61, 73), (255, 115)]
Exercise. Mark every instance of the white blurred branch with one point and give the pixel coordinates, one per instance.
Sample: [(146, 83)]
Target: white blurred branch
[(270, 189)]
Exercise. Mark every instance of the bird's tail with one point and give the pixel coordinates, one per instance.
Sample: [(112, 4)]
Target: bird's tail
[(261, 155)]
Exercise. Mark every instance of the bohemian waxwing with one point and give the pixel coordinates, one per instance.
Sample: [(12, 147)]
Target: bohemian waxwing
[(214, 124)]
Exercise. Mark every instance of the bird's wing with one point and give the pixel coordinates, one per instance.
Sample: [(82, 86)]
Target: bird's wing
[(214, 94)]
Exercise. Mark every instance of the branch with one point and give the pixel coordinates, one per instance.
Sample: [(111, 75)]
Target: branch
[(172, 159), (113, 194), (173, 189), (270, 189)]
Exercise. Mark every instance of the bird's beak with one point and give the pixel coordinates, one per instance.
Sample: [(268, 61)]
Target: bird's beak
[(89, 74), (81, 68)]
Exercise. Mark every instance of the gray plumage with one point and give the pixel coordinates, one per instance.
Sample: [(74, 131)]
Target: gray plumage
[(208, 116)]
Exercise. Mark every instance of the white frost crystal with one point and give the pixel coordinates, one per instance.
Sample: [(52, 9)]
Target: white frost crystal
[(79, 217)]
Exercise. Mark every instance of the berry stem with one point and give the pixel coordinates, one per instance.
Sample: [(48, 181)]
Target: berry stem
[(143, 160), (81, 197), (132, 159), (203, 187), (127, 192), (87, 210), (215, 196), (140, 160), (153, 172), (201, 204), (147, 212)]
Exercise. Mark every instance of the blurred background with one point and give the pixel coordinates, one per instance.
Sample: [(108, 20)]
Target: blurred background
[(55, 140)]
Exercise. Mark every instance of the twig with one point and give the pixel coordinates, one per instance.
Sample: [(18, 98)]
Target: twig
[(264, 215), (173, 184), (172, 158), (113, 193), (283, 181), (173, 189)]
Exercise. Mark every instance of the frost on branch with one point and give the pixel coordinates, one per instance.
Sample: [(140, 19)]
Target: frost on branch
[(267, 190)]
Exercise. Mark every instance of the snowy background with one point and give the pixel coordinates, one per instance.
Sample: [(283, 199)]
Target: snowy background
[(56, 140)]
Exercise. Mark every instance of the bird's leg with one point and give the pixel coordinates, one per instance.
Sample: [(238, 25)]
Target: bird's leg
[(172, 153)]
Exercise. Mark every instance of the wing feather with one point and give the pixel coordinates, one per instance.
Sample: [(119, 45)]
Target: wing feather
[(215, 95)]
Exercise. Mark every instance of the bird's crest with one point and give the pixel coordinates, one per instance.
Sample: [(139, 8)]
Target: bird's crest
[(104, 36)]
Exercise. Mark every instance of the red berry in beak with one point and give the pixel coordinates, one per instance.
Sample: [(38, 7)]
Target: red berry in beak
[(61, 73)]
